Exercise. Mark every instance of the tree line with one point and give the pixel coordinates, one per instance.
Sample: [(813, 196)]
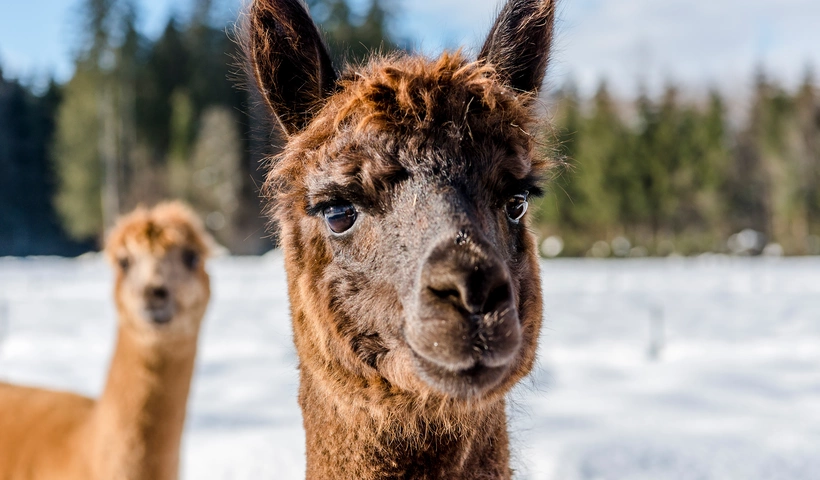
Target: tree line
[(669, 175), (143, 119)]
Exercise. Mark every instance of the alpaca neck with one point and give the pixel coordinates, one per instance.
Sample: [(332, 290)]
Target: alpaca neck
[(141, 413), (348, 443)]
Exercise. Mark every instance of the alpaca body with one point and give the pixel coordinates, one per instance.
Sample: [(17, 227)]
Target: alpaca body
[(42, 420), (133, 431)]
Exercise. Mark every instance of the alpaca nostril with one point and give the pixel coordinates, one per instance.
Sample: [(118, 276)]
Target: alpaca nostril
[(486, 293), (472, 291), (498, 299), (158, 293), (451, 295)]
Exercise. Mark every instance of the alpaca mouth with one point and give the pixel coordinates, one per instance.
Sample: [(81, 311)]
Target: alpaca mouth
[(468, 355), (159, 315), (465, 383)]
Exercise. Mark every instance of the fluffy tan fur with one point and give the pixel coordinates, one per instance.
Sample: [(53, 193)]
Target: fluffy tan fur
[(133, 431)]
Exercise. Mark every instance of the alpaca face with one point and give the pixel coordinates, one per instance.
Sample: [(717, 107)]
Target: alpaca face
[(164, 290), (161, 283), (401, 197), (427, 278)]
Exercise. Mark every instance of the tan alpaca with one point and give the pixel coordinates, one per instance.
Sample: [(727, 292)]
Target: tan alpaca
[(133, 430)]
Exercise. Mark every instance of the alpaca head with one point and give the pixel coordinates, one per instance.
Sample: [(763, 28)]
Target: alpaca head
[(158, 256), (401, 198)]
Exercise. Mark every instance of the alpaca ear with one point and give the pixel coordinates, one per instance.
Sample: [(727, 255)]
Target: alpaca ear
[(289, 60), (518, 45)]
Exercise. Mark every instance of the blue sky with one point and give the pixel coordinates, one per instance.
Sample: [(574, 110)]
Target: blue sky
[(698, 43)]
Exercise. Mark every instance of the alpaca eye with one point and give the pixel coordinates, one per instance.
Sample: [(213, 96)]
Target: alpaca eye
[(123, 263), (190, 259), (517, 206), (340, 217)]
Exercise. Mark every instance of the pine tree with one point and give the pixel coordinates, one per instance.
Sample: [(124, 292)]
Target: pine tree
[(216, 181), (77, 157), (711, 163), (350, 38), (89, 144), (559, 142), (807, 105), (599, 144), (28, 222)]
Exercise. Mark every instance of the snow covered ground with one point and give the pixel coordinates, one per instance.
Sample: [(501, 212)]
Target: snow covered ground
[(649, 369)]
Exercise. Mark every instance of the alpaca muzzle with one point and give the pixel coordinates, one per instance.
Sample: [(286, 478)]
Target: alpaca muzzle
[(466, 332), (159, 306)]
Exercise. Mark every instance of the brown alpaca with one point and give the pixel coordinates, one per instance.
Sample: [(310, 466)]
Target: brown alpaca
[(133, 431), (414, 284)]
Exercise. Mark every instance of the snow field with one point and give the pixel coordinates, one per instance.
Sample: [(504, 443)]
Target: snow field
[(648, 369)]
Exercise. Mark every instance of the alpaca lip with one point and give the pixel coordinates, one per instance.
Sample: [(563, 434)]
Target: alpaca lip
[(159, 315), (465, 346), (463, 383)]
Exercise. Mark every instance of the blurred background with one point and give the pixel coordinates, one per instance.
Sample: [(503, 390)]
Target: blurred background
[(686, 128)]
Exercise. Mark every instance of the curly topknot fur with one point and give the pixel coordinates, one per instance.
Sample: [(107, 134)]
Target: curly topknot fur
[(158, 229)]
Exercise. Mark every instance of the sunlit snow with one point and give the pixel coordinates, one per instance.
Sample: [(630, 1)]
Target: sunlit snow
[(648, 369)]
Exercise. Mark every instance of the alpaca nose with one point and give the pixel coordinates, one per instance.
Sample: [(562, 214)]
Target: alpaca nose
[(466, 313), (158, 304), (156, 294), (469, 277)]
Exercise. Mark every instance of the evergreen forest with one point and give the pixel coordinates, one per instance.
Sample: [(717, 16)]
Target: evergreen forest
[(144, 119)]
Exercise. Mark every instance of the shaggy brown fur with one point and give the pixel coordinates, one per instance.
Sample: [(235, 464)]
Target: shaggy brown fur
[(414, 286), (133, 431)]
